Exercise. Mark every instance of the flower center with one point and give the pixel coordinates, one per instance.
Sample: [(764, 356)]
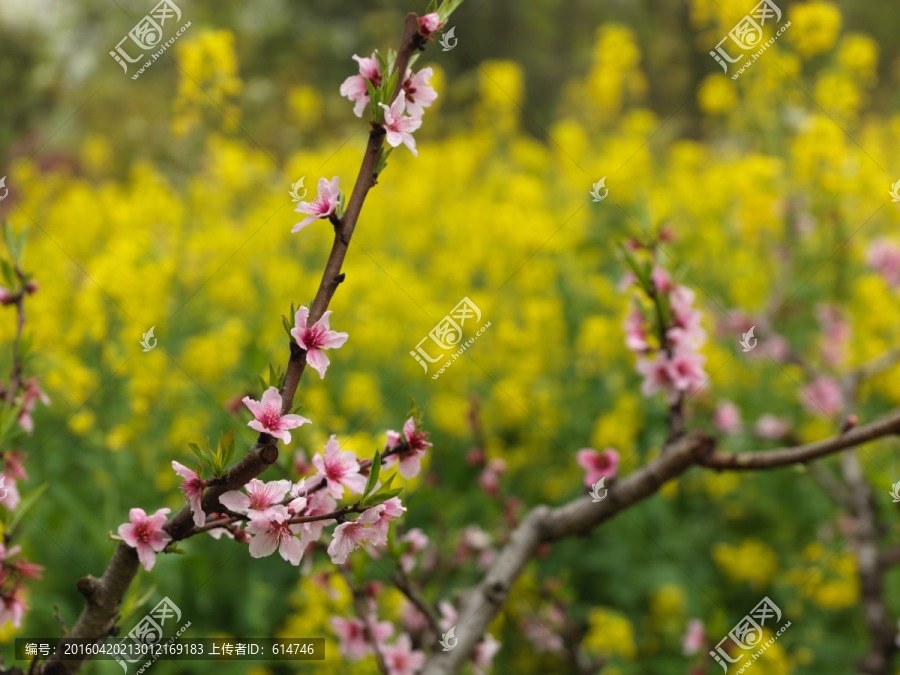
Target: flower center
[(271, 417)]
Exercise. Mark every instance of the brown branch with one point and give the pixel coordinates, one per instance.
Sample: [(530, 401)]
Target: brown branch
[(543, 524), (104, 596), (801, 454), (403, 584)]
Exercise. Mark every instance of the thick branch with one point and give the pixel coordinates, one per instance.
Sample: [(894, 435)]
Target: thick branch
[(541, 525), (801, 454)]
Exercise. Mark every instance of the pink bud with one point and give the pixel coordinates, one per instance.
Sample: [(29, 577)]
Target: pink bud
[(429, 23)]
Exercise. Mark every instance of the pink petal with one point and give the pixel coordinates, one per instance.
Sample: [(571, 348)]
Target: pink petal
[(146, 556), (235, 501), (262, 545), (317, 359)]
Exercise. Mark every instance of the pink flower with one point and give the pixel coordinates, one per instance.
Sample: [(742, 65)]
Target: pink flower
[(145, 533), (727, 418), (771, 427), (417, 541), (352, 634), (449, 615), (316, 338), (401, 659), (271, 531), (484, 651), (823, 397), (340, 469), (835, 334), (661, 280), (400, 127), (884, 257), (12, 607), (323, 206), (389, 510), (6, 296), (418, 92), (269, 419), (30, 396), (351, 535), (429, 23), (635, 335), (415, 447), (597, 465), (319, 503), (193, 487), (9, 491), (694, 637), (301, 463), (12, 465), (686, 371), (354, 87), (259, 498), (657, 376), (489, 478), (542, 637)]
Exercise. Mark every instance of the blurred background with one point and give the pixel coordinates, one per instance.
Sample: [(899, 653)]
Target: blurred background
[(163, 201)]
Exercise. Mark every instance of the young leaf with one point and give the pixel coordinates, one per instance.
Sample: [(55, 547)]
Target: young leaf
[(383, 495), (373, 474)]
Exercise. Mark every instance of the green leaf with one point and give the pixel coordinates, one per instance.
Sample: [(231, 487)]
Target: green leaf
[(381, 62), (26, 504), (225, 450), (373, 474), (378, 496), (383, 496), (381, 165), (287, 324), (374, 100), (447, 8), (262, 383), (389, 86)]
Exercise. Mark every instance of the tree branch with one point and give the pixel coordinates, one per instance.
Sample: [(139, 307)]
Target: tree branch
[(103, 597), (543, 524), (801, 454)]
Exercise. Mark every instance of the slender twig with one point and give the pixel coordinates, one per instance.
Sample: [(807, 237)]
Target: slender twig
[(364, 616), (774, 459), (403, 584)]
